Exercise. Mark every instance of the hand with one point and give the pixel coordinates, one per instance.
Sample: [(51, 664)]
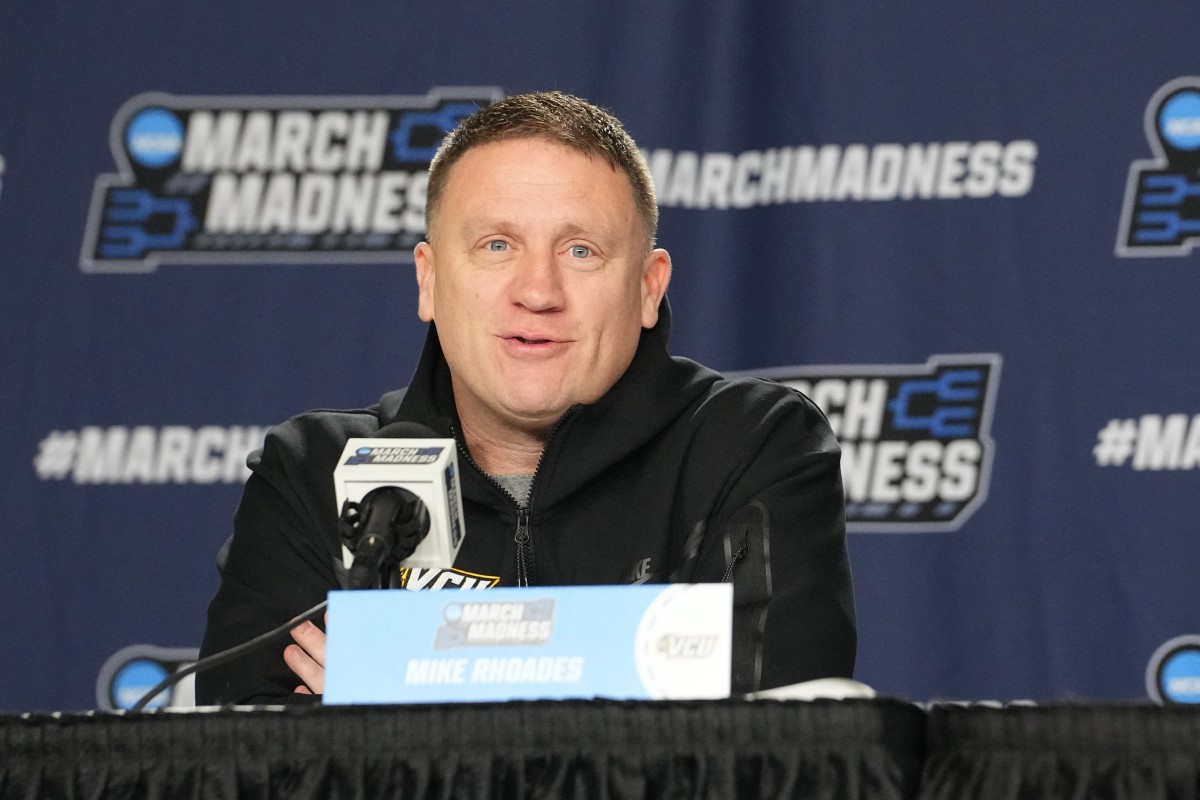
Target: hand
[(306, 657)]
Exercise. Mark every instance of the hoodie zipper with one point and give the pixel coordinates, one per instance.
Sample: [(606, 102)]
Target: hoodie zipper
[(524, 546), (524, 533)]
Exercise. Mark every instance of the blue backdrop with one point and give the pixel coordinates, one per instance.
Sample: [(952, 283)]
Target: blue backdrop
[(965, 229)]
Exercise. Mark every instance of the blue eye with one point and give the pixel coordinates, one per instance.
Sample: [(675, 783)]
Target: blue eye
[(581, 251), (497, 245)]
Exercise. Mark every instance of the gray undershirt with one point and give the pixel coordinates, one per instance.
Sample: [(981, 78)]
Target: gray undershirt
[(516, 485)]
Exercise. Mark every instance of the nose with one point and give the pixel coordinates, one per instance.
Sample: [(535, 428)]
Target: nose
[(537, 282)]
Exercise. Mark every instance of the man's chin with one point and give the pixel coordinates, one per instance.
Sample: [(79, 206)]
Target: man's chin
[(537, 416)]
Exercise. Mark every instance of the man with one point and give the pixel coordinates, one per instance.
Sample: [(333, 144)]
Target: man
[(590, 455)]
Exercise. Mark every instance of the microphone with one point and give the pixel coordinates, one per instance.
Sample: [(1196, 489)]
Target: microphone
[(400, 504)]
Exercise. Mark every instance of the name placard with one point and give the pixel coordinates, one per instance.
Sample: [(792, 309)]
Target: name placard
[(626, 642)]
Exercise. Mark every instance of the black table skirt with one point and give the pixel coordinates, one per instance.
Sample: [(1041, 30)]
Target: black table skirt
[(1109, 752), (578, 749)]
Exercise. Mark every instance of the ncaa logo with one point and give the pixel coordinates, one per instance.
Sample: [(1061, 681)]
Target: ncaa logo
[(1173, 674), (131, 672), (154, 138), (1161, 212)]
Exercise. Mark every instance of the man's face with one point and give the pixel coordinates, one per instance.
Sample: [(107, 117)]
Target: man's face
[(537, 277)]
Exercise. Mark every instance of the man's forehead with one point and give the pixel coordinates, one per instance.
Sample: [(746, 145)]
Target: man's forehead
[(497, 166)]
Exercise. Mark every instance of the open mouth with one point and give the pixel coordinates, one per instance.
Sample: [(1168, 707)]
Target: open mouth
[(524, 340)]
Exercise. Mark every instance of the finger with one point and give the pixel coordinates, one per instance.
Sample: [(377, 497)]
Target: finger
[(302, 689), (312, 639), (306, 669)]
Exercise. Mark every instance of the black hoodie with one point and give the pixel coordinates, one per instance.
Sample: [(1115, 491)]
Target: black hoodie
[(675, 475)]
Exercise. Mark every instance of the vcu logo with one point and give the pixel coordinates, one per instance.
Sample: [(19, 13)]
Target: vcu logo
[(226, 180), (687, 646), (1161, 212), (916, 440), (419, 579)]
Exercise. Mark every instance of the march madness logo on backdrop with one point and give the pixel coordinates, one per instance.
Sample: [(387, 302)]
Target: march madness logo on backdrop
[(229, 180), (916, 438), (1161, 213)]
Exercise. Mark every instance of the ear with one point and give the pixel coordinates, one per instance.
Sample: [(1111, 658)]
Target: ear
[(423, 258), (656, 274)]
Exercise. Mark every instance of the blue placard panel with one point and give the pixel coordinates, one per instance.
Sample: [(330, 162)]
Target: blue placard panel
[(628, 642)]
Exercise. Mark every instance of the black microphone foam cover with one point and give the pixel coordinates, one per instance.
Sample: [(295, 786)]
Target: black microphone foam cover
[(406, 430)]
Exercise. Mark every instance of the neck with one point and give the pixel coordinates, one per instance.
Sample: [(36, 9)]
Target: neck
[(501, 450)]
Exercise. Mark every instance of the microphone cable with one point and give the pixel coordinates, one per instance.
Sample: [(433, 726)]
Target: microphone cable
[(225, 655)]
